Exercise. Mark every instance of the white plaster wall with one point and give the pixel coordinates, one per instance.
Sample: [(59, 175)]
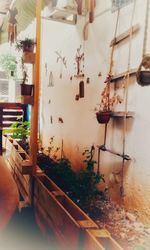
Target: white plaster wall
[(80, 128)]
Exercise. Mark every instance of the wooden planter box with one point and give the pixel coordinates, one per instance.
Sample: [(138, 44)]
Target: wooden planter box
[(55, 210), (21, 168)]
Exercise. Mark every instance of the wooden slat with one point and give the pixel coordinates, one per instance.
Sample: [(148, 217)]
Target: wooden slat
[(122, 114), (122, 75), (13, 119), (97, 239), (13, 113), (125, 35), (7, 105)]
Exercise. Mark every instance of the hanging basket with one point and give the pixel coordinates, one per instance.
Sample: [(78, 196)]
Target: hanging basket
[(26, 89), (103, 117), (143, 76)]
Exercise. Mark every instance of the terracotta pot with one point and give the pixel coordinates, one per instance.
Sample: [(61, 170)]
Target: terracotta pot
[(26, 89), (103, 117), (143, 78)]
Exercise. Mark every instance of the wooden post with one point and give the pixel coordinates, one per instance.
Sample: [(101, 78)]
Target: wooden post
[(36, 80), (1, 131)]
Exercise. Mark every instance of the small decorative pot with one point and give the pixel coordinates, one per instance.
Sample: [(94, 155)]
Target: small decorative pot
[(26, 89), (103, 116)]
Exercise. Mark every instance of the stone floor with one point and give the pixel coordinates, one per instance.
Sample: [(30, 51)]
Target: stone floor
[(22, 233)]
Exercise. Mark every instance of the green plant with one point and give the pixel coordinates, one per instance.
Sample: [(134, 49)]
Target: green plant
[(9, 64), (19, 130), (65, 177), (26, 44), (80, 187), (87, 181)]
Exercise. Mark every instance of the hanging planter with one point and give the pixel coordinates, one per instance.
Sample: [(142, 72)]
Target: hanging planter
[(26, 89), (143, 76), (103, 117), (27, 45), (107, 103)]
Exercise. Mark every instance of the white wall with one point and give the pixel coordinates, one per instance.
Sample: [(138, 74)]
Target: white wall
[(80, 128)]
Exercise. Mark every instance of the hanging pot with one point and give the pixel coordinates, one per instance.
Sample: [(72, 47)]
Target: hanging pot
[(143, 76), (103, 116), (26, 89)]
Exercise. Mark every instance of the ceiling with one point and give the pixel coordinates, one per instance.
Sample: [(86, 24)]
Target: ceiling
[(4, 5), (26, 13), (61, 10)]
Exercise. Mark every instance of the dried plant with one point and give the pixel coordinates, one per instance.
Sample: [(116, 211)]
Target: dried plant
[(107, 102)]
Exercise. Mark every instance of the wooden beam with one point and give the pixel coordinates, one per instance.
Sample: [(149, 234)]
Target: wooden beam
[(1, 132), (36, 80), (122, 75), (125, 35)]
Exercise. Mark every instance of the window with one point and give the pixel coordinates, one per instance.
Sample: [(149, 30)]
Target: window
[(119, 4)]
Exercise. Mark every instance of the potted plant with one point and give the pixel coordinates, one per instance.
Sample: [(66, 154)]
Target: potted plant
[(107, 103), (26, 45)]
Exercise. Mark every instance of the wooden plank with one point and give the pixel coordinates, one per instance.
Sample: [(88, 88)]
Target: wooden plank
[(125, 35), (97, 239), (87, 224), (75, 212), (13, 113), (59, 217), (122, 75), (122, 114), (9, 105), (13, 119)]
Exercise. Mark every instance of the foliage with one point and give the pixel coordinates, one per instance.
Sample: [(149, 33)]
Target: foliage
[(19, 130), (65, 177), (87, 181), (26, 43), (80, 187), (9, 64)]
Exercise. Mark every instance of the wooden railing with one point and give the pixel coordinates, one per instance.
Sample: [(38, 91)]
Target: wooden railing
[(9, 113)]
